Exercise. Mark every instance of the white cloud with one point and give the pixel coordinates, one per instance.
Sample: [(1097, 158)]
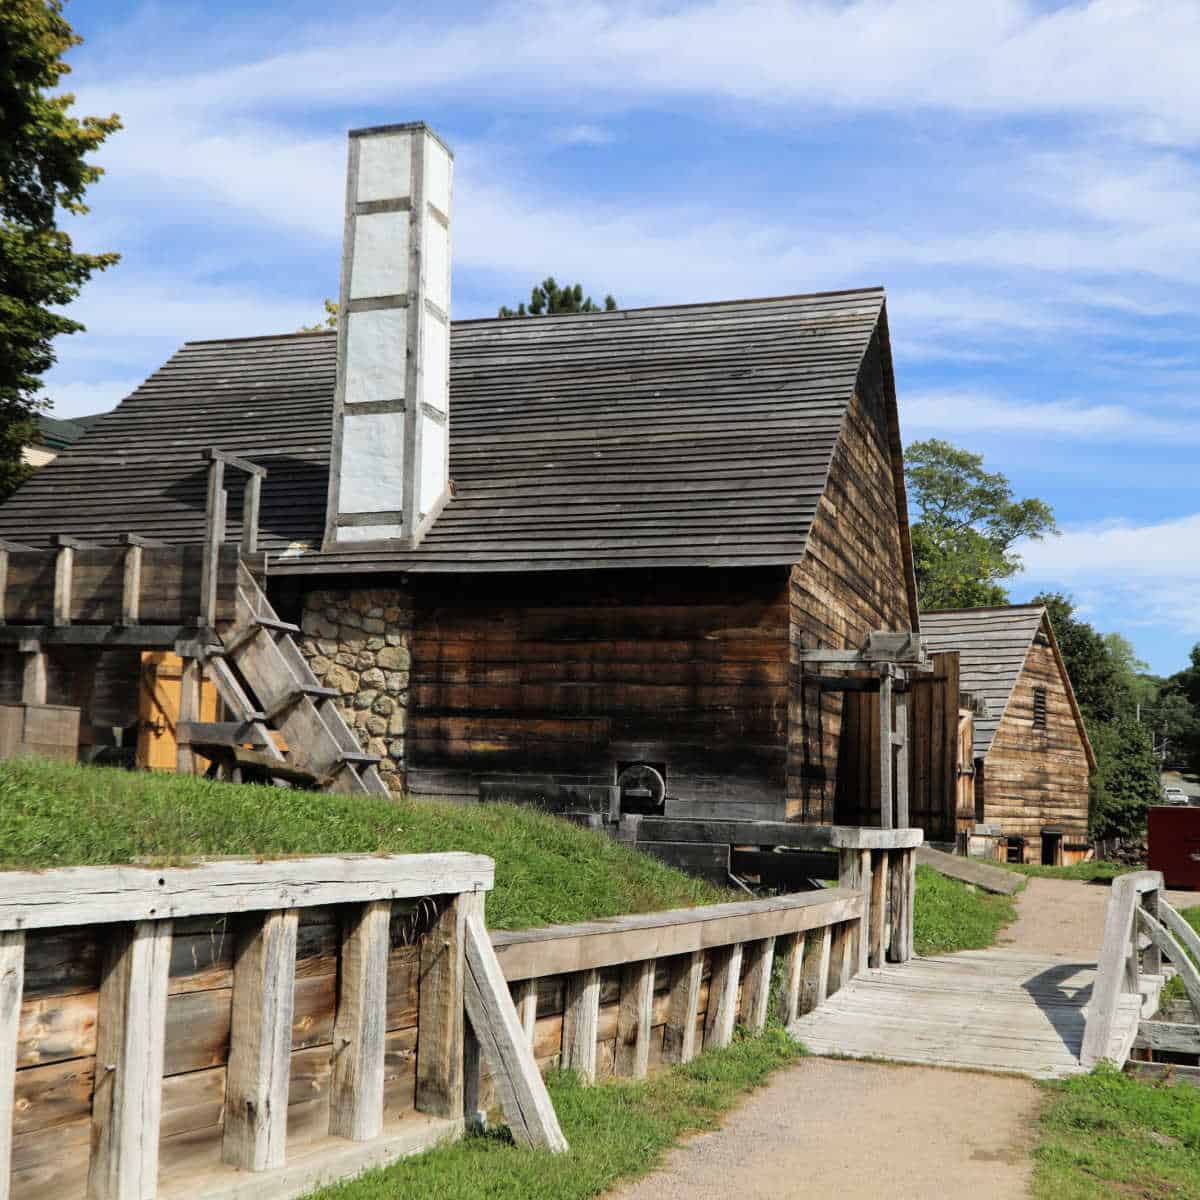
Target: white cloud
[(961, 411), (582, 134)]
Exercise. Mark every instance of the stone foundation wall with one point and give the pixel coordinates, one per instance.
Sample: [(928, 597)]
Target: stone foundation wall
[(360, 643)]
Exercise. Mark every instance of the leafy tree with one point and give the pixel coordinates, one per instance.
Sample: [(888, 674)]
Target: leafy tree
[(548, 299), (1126, 781), (967, 522), (330, 322), (43, 172)]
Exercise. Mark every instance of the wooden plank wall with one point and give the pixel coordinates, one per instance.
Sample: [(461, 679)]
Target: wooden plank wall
[(851, 581), (1036, 778), (57, 1044), (570, 674)]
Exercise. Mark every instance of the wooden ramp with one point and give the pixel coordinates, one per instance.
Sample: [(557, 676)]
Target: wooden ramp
[(990, 1010)]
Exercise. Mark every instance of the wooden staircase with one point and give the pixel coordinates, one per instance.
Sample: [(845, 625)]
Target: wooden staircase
[(268, 689)]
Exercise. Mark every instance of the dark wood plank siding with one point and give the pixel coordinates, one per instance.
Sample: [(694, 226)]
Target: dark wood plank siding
[(851, 581), (1037, 778), (565, 676)]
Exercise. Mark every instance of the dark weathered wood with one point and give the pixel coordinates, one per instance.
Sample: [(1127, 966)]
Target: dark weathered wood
[(1173, 1036), (814, 971)]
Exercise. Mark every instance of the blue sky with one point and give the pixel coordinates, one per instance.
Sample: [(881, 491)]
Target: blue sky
[(1024, 179)]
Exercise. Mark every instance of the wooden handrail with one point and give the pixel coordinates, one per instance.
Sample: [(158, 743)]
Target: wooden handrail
[(1119, 967)]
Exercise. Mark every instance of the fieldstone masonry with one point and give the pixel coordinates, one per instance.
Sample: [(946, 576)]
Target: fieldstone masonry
[(360, 643)]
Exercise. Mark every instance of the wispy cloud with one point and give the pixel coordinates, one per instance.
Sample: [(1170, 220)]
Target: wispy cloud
[(584, 133)]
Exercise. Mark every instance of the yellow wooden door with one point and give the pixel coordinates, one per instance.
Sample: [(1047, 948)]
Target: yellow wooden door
[(158, 710)]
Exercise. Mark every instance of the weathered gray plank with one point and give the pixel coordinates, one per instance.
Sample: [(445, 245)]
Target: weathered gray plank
[(12, 983), (130, 1031), (100, 895), (525, 994), (722, 1013), (756, 986), (633, 1019), (793, 965), (1174, 1036), (504, 1044), (581, 1016), (970, 870), (356, 1085), (679, 1036), (260, 1042), (1111, 973), (814, 973), (440, 1011)]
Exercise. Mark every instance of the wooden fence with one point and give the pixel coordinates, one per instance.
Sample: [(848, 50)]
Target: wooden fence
[(160, 1028), (619, 996), (1140, 928)]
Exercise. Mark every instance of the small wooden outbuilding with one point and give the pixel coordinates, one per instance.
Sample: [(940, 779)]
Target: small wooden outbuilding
[(1032, 754)]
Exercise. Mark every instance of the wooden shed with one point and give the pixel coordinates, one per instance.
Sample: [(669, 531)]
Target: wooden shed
[(1032, 754)]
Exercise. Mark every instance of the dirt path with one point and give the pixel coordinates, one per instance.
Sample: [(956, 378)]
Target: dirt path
[(1065, 917), (861, 1130)]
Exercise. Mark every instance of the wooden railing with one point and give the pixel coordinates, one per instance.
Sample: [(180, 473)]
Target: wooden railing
[(162, 1027), (619, 996), (1140, 928)]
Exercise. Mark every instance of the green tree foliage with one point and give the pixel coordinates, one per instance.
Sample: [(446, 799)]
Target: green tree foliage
[(1109, 684), (1126, 780), (547, 300), (43, 172), (966, 524), (330, 321)]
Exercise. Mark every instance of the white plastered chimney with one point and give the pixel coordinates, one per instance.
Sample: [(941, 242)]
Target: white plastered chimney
[(389, 467)]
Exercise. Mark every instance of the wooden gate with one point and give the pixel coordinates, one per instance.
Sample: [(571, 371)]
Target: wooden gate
[(158, 710)]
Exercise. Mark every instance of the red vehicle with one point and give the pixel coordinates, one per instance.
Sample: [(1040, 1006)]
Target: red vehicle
[(1174, 834)]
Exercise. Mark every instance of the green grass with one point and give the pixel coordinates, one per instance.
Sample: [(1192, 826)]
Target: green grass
[(1108, 1134), (547, 870), (616, 1130), (1174, 988), (948, 915), (1086, 872)]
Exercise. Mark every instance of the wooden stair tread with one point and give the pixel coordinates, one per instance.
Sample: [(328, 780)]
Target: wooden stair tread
[(364, 760)]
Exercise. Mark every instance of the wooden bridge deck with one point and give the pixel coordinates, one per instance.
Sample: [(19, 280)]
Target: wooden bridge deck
[(991, 1010)]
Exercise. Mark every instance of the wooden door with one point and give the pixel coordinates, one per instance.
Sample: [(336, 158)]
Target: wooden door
[(158, 710), (968, 814), (934, 754)]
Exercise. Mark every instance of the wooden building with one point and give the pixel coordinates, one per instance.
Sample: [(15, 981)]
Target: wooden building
[(1032, 755), (647, 517)]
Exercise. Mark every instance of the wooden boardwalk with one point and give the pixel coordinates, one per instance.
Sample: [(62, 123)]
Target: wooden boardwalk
[(991, 1010)]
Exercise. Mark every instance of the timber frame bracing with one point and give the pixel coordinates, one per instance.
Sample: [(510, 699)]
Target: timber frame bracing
[(887, 665)]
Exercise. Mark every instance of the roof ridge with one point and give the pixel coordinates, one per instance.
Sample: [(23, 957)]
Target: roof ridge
[(615, 314)]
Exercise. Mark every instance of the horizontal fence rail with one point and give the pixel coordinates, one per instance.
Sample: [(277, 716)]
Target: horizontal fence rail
[(164, 1029)]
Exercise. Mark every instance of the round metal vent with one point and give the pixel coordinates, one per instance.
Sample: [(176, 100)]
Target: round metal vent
[(643, 789)]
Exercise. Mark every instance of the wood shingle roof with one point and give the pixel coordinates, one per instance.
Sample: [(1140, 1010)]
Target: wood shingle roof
[(691, 435)]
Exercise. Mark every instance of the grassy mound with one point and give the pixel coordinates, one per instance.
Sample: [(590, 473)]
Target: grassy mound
[(547, 871), (1085, 872), (948, 915)]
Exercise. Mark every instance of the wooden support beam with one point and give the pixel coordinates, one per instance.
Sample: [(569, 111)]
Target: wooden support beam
[(356, 1085), (581, 1017), (492, 1016), (634, 1014), (839, 957), (131, 586), (12, 984), (1110, 972), (875, 909), (191, 679), (440, 1008), (64, 571), (854, 871), (900, 907), (1173, 1036), (260, 1043), (33, 675), (792, 953), (251, 504), (130, 1033), (901, 744), (886, 750), (723, 995), (232, 460), (525, 996), (814, 973), (3, 585), (683, 1009), (214, 536), (756, 988)]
